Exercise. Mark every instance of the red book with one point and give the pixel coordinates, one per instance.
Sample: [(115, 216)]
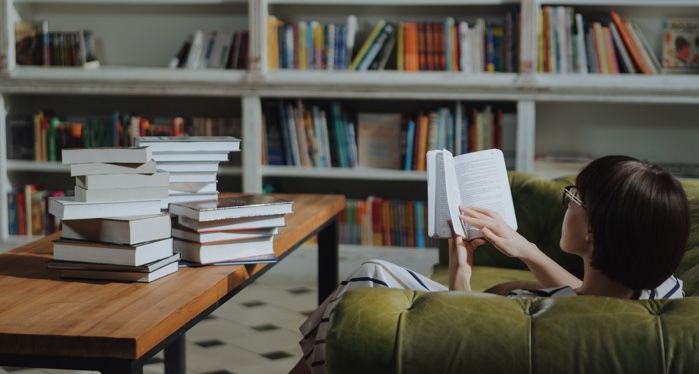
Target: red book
[(630, 45), (410, 216), (440, 50), (386, 218), (21, 214)]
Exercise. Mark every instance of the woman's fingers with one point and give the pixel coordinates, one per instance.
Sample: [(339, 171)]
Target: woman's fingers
[(486, 212), (472, 212), (478, 222), (490, 235)]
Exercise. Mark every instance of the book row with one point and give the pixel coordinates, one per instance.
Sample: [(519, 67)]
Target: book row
[(297, 134), (485, 46), (380, 222), (213, 50), (42, 136), (27, 210), (36, 45), (568, 43)]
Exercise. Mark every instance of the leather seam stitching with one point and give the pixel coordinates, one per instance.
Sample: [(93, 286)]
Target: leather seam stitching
[(531, 322)]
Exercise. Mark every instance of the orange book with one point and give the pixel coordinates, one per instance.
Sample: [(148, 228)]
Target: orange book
[(387, 226), (630, 45), (612, 63), (410, 217), (421, 148), (414, 47), (440, 47)]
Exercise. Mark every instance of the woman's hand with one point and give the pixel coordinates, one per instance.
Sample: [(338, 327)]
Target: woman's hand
[(496, 231), (461, 261)]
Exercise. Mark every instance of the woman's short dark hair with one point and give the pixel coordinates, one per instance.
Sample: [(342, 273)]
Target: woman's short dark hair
[(639, 217)]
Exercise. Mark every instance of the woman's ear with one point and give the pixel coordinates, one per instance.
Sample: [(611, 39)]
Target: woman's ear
[(588, 236)]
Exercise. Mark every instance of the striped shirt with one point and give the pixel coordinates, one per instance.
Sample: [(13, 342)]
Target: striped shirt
[(671, 288)]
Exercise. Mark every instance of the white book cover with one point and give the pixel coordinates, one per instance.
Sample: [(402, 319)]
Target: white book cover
[(580, 44), (120, 194), (181, 188), (189, 167), (134, 155), (112, 181), (221, 50), (185, 198), (122, 276), (104, 253), (222, 236), (190, 157), (175, 144), (195, 50), (65, 208), (233, 207), (178, 177), (119, 230), (465, 57), (477, 179), (96, 168), (248, 223), (217, 252)]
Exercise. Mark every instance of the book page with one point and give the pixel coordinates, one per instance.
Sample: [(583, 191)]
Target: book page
[(437, 203), (454, 199), (482, 181)]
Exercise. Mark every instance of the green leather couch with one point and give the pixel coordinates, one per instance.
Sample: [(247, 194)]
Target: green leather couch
[(398, 331)]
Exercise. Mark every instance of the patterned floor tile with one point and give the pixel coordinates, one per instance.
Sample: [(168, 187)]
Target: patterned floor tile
[(300, 290), (276, 355), (265, 327), (209, 343)]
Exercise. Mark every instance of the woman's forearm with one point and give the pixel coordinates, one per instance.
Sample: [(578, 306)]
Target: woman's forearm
[(547, 272)]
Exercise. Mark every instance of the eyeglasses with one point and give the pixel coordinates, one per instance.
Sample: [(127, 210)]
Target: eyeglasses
[(570, 194)]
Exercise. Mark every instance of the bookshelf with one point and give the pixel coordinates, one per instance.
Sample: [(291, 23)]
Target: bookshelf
[(555, 112)]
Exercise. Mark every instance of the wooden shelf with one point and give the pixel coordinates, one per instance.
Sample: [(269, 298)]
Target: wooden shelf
[(37, 166), (124, 80), (343, 173)]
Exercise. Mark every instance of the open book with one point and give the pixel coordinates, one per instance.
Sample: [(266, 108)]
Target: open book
[(477, 179)]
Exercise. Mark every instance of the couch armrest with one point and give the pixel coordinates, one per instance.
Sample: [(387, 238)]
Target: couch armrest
[(400, 331)]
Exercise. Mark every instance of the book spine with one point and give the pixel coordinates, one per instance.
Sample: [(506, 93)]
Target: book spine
[(630, 44), (612, 63), (367, 44)]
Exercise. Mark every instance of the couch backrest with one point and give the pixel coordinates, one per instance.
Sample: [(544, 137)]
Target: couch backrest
[(539, 213)]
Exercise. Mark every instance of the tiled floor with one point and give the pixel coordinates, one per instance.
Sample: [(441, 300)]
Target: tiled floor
[(257, 330)]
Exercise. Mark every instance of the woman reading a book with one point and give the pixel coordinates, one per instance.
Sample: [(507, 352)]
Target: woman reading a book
[(628, 220)]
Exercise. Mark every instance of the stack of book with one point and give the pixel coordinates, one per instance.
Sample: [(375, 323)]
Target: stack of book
[(113, 228), (213, 50), (229, 230), (192, 164)]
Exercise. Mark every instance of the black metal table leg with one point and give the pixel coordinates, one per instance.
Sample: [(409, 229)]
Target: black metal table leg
[(328, 242), (175, 359)]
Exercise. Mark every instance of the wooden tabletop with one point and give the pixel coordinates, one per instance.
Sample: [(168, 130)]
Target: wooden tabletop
[(41, 314)]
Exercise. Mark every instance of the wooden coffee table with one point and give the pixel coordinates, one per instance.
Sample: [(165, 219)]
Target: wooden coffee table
[(48, 322)]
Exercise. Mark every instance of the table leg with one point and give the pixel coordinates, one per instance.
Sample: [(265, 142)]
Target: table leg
[(328, 242), (175, 359)]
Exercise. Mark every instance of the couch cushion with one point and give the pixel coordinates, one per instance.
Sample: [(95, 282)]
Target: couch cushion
[(484, 277)]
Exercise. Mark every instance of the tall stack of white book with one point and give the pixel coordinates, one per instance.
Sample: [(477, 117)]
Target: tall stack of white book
[(237, 229), (113, 228), (192, 163)]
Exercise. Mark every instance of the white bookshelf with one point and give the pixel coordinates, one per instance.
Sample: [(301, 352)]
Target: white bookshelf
[(542, 101)]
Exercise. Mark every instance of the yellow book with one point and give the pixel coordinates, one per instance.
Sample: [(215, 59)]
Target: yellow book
[(400, 58), (319, 45), (301, 46), (272, 43), (367, 44)]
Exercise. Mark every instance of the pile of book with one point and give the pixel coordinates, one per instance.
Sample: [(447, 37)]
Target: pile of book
[(230, 230), (213, 50), (312, 136), (609, 45), (113, 228), (191, 162)]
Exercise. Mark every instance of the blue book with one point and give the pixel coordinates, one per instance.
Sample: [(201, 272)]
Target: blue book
[(340, 137), (450, 131), (12, 212), (420, 224), (409, 145), (351, 144), (289, 160), (289, 49), (340, 51), (310, 50)]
